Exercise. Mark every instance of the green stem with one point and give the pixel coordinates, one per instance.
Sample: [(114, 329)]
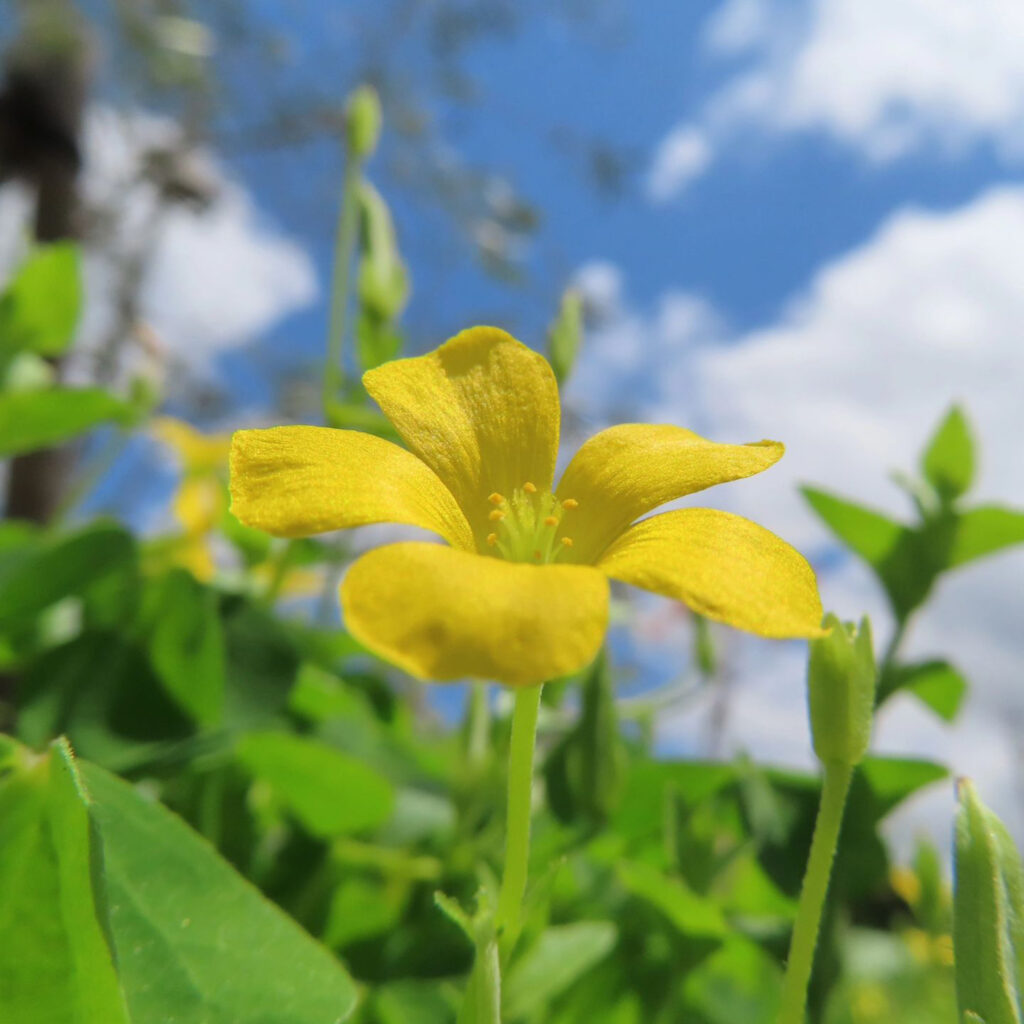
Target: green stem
[(482, 1001), (517, 835), (282, 564), (344, 248), (834, 791), (477, 727)]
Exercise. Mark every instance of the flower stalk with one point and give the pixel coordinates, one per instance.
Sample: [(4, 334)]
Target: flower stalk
[(835, 788), (841, 681), (341, 277), (508, 919)]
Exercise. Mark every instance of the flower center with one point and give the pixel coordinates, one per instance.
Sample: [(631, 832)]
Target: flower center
[(528, 525)]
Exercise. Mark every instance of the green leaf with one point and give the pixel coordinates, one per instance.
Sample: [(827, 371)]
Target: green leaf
[(331, 793), (63, 568), (57, 964), (691, 914), (864, 531), (985, 530), (186, 645), (565, 334), (948, 461), (411, 1002), (935, 683), (262, 662), (561, 956), (905, 560), (40, 307), (988, 930), (195, 943), (893, 779), (38, 419), (585, 772), (100, 690)]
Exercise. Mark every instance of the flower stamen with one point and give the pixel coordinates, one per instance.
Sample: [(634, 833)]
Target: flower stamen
[(567, 542), (570, 503), (526, 525)]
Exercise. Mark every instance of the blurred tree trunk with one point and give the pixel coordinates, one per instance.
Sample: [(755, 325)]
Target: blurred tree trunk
[(41, 107)]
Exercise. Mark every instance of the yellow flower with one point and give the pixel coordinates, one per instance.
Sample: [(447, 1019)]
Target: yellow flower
[(520, 594), (200, 501)]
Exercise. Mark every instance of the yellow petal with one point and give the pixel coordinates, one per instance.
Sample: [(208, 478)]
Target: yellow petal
[(482, 411), (723, 566), (626, 471), (198, 452), (445, 614), (294, 481)]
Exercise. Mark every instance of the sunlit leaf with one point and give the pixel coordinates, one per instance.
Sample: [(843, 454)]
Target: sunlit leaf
[(560, 956), (37, 419), (57, 965), (936, 683), (906, 561), (330, 792), (186, 645), (985, 530), (194, 942), (39, 308), (65, 567), (948, 460), (691, 914)]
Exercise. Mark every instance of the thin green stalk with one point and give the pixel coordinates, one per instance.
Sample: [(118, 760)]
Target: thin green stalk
[(281, 566), (477, 727), (835, 787), (341, 277), (508, 919)]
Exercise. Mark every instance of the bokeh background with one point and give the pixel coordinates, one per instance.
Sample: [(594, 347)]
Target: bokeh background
[(798, 219)]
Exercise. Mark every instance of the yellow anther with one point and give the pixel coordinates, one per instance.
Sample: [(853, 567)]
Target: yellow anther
[(551, 520), (492, 539), (496, 499), (567, 542), (496, 515), (536, 555), (570, 504), (530, 488)]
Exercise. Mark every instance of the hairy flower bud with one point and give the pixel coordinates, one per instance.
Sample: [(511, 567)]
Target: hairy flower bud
[(841, 691)]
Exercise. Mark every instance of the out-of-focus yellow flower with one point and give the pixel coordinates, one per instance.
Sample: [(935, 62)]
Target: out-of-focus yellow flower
[(870, 1003), (905, 884), (199, 453), (520, 594), (201, 499)]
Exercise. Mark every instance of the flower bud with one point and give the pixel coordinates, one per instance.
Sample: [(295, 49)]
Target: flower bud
[(362, 122), (841, 691)]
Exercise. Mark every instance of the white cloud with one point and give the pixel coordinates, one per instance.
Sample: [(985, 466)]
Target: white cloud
[(885, 77), (681, 157), (853, 377), (214, 279), (622, 346)]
